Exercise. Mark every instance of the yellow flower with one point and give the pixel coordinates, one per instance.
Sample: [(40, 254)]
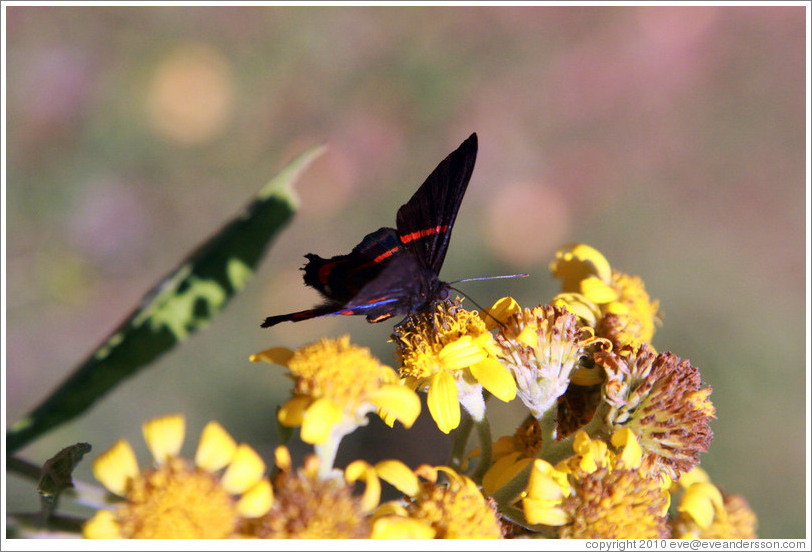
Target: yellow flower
[(707, 513), (543, 347), (583, 268), (501, 310), (455, 509), (547, 488), (511, 454), (309, 506), (660, 398), (451, 353), (336, 385), (180, 499), (598, 493), (615, 304)]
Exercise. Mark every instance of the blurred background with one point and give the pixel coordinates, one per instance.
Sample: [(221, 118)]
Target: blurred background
[(670, 138)]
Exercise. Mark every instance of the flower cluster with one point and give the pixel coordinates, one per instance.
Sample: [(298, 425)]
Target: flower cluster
[(450, 353), (608, 446), (205, 499), (598, 493)]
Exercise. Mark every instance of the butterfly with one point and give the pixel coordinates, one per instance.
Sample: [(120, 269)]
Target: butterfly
[(395, 271)]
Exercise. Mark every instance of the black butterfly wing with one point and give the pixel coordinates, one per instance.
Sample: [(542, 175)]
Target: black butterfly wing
[(402, 286), (301, 315), (393, 292), (340, 278), (394, 272), (424, 223)]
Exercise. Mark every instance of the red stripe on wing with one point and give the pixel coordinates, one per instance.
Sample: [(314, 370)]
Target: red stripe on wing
[(384, 255), (324, 271), (327, 268), (374, 261), (423, 233)]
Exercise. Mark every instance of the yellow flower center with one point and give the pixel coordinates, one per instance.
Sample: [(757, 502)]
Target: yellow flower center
[(176, 501), (617, 503), (335, 369), (455, 512), (659, 398), (449, 339), (631, 319), (308, 508), (544, 338)]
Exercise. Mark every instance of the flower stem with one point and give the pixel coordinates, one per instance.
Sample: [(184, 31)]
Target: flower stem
[(326, 452), (509, 492), (486, 444), (461, 436), (23, 468), (516, 516), (548, 427), (551, 450)]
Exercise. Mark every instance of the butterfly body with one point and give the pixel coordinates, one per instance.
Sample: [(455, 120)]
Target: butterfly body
[(395, 271)]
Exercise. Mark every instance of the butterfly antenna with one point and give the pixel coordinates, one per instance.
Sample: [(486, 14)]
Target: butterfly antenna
[(489, 278), (485, 278), (480, 307)]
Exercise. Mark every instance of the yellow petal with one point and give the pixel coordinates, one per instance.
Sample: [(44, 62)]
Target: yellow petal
[(614, 307), (274, 355), (256, 501), (442, 401), (427, 472), (115, 467), (387, 416), (502, 446), (529, 336), (575, 262), (702, 501), (215, 449), (501, 310), (502, 471), (461, 353), (319, 420), (591, 260), (244, 471), (632, 454), (455, 478), (164, 436), (594, 457), (700, 400), (282, 458), (398, 474), (592, 256), (580, 306), (540, 511), (495, 378), (291, 414), (395, 527), (696, 475), (388, 374), (598, 291), (372, 489), (546, 483), (102, 526), (390, 509), (582, 443), (592, 451), (399, 401)]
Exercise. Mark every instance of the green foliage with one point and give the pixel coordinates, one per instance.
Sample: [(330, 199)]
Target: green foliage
[(181, 303)]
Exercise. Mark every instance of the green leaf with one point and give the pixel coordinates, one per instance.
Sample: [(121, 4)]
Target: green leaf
[(181, 303)]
